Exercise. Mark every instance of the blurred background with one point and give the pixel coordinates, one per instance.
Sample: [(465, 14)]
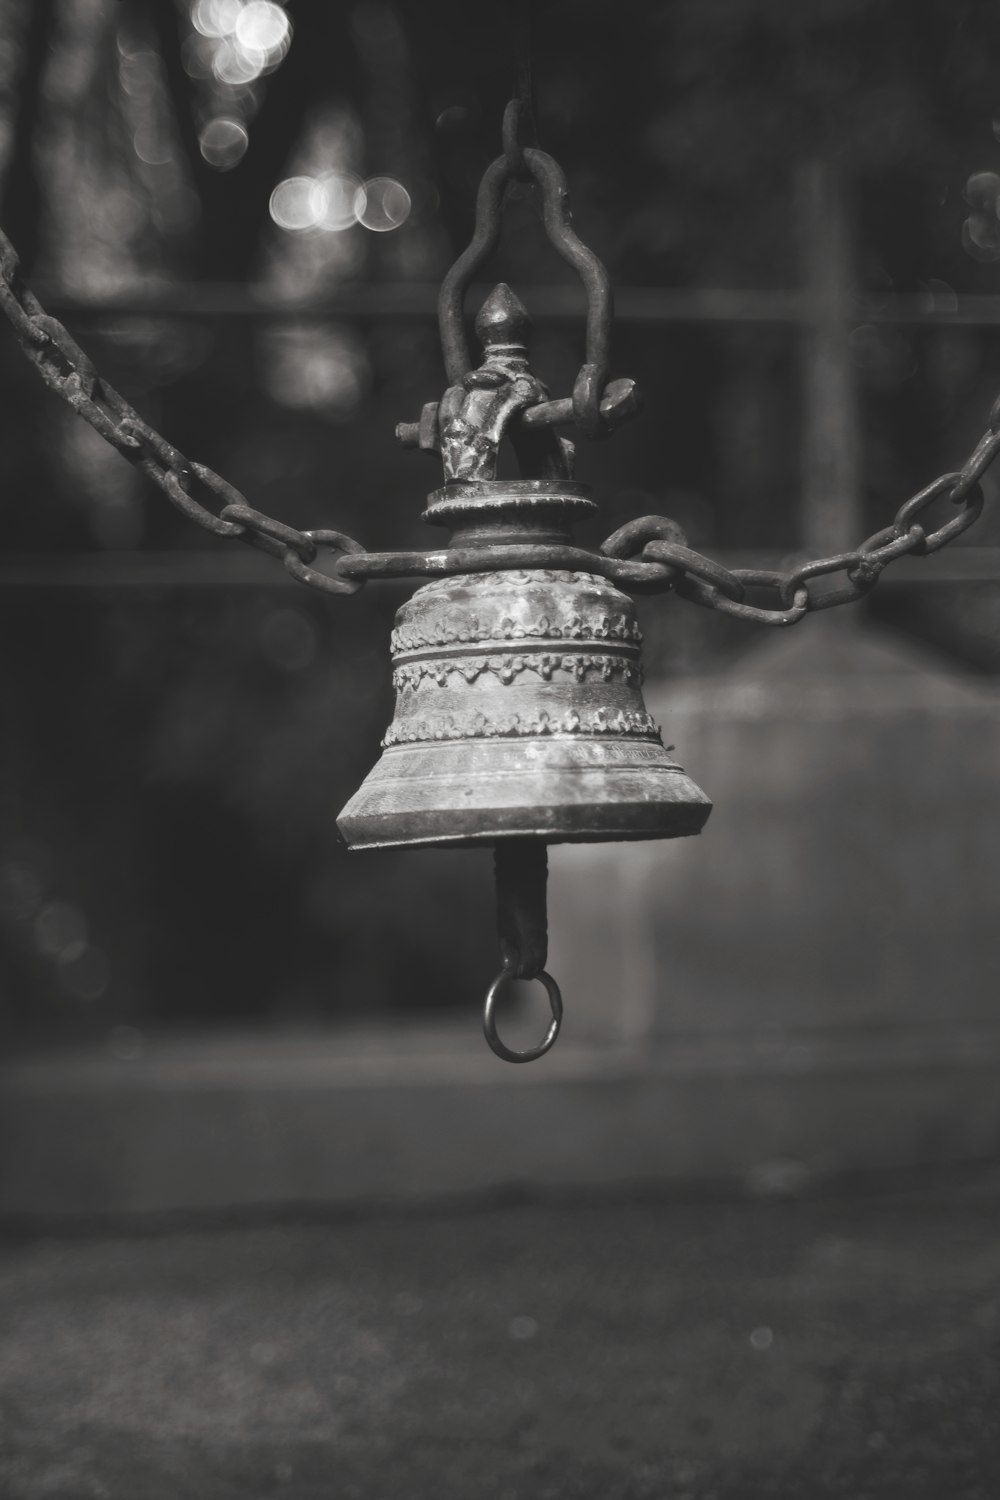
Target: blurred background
[(736, 1236), (243, 210)]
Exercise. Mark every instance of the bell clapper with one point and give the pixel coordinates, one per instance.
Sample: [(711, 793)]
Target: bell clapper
[(522, 926)]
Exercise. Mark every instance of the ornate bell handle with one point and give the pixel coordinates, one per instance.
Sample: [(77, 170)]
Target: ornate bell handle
[(588, 389)]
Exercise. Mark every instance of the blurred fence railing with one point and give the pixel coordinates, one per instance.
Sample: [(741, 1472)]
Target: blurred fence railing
[(384, 300)]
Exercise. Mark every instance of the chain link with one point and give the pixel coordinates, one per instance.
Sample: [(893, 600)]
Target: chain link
[(647, 555), (68, 371), (702, 581)]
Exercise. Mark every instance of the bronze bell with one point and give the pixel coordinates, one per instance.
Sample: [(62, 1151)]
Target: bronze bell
[(519, 710), (519, 716)]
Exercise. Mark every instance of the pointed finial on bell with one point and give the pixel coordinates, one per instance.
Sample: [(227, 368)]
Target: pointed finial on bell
[(503, 320)]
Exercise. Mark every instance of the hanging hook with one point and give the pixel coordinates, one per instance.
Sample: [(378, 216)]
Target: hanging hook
[(522, 31), (515, 117), (548, 176)]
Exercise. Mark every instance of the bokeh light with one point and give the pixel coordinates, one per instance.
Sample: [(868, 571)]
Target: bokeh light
[(139, 71), (333, 201), (223, 142), (261, 26), (60, 931), (237, 40), (232, 65), (981, 230), (216, 17), (151, 146), (298, 203), (341, 200), (982, 190), (382, 204)]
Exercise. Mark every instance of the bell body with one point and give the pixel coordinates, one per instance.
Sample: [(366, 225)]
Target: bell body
[(519, 710)]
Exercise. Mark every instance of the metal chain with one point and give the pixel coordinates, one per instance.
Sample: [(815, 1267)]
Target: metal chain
[(66, 369), (702, 581), (648, 555)]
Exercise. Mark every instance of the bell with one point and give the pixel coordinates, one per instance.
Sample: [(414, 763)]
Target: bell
[(519, 710), (519, 718)]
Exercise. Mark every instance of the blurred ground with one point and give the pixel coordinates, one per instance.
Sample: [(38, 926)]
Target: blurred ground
[(843, 1346)]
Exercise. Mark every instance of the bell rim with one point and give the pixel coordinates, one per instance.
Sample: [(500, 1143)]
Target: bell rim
[(648, 798), (468, 498), (688, 825), (472, 489)]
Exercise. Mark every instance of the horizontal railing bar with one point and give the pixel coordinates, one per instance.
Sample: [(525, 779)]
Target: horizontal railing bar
[(374, 301), (418, 300), (190, 569)]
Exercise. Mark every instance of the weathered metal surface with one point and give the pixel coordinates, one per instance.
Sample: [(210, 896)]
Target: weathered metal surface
[(588, 388), (522, 867), (478, 411), (519, 713)]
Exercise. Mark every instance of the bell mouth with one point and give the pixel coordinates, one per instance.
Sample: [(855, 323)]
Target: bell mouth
[(561, 789)]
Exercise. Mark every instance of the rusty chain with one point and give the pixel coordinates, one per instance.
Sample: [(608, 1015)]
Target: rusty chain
[(702, 581), (649, 554), (68, 372)]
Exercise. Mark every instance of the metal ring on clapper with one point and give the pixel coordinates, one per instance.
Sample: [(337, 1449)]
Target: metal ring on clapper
[(489, 1019)]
